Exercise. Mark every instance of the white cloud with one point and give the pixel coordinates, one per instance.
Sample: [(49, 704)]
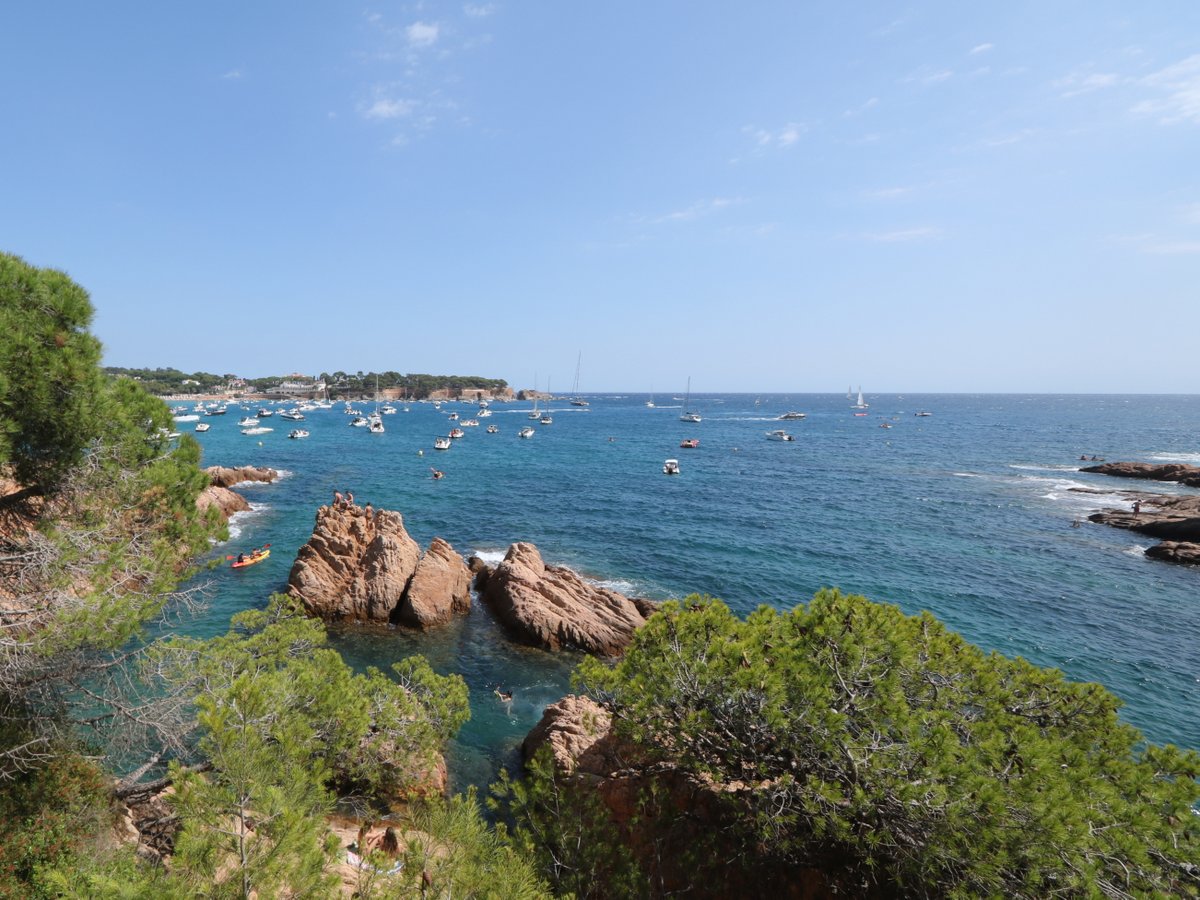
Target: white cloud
[(980, 48), (892, 193), (421, 34), (479, 10), (1076, 83), (388, 108), (904, 234), (781, 138), (695, 211), (232, 75), (1180, 83)]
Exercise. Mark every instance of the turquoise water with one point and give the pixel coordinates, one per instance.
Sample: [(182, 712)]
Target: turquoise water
[(966, 512)]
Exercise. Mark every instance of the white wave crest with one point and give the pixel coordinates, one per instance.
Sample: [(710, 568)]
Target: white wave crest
[(1192, 458), (238, 521), (491, 557)]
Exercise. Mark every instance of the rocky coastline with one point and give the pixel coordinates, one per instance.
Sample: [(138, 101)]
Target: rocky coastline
[(1172, 519), (219, 495)]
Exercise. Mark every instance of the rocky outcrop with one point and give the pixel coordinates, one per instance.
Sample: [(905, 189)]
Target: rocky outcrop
[(362, 566), (1164, 516), (225, 500), (220, 476), (1188, 475), (552, 607), (440, 588), (1177, 552), (1172, 519), (572, 728)]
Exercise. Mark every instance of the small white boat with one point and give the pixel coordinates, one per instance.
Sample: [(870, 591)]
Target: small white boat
[(526, 432), (453, 417), (202, 426), (779, 435), (258, 429), (469, 423), (688, 415), (375, 424), (860, 404), (492, 429), (387, 409), (457, 433), (187, 418), (265, 413), (484, 412), (293, 414), (671, 467), (247, 422), (546, 419), (441, 443), (296, 433), (359, 422), (923, 413), (792, 415)]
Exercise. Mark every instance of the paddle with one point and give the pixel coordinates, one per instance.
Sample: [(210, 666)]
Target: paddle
[(251, 553)]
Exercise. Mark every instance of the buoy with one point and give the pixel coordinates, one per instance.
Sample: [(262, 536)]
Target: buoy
[(420, 453)]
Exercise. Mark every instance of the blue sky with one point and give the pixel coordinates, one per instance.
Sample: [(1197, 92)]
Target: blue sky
[(773, 196)]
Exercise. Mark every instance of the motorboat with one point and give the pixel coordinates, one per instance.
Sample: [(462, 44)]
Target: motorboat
[(188, 418), (470, 423), (202, 426), (265, 413), (546, 419), (375, 424), (247, 422), (257, 429), (359, 422), (526, 432), (779, 435), (387, 409), (453, 417), (484, 412), (457, 433), (671, 467), (441, 442), (293, 414), (922, 413), (215, 411), (296, 433), (792, 415), (492, 429), (690, 443)]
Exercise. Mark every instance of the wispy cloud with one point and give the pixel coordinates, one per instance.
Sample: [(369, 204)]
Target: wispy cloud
[(232, 75), (903, 235), (1180, 86), (1079, 83), (779, 138), (928, 75), (697, 210), (980, 48), (421, 34), (890, 193), (387, 108), (479, 10), (869, 103)]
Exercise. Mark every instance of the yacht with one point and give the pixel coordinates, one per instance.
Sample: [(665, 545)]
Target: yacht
[(265, 413), (526, 432), (671, 467), (792, 415), (247, 422), (257, 429), (779, 435), (358, 422), (202, 426)]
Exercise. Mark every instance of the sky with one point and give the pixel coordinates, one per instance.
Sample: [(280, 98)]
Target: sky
[(769, 196)]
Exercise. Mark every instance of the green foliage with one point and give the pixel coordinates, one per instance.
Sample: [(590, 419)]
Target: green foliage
[(283, 719), (562, 824), (49, 375), (169, 381), (451, 852), (49, 813), (888, 751)]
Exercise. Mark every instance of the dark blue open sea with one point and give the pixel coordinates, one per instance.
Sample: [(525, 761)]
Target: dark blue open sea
[(967, 512)]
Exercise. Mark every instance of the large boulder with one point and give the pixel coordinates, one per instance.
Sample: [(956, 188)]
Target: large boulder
[(363, 566), (440, 588), (1168, 517), (227, 501), (1184, 552), (552, 607), (221, 476)]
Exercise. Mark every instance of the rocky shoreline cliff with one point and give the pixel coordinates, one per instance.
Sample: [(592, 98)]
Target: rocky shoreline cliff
[(1173, 519)]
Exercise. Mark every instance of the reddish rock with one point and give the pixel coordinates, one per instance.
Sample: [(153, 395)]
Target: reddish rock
[(221, 476), (440, 588), (227, 501), (552, 607), (571, 728), (355, 567), (1168, 517)]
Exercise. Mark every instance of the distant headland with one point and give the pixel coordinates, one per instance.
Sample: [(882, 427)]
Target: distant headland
[(330, 385)]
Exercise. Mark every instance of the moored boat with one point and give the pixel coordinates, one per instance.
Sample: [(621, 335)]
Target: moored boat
[(690, 443), (671, 467), (779, 435), (297, 433)]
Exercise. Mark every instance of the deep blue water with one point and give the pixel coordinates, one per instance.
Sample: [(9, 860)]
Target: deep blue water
[(966, 513)]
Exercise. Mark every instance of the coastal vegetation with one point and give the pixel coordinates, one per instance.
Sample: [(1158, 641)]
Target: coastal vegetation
[(340, 385), (838, 747)]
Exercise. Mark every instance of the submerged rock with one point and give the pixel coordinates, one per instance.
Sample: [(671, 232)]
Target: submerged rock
[(552, 607)]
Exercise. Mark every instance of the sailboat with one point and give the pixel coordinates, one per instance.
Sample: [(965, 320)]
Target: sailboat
[(861, 404), (375, 420), (650, 402), (576, 400), (533, 413), (688, 415)]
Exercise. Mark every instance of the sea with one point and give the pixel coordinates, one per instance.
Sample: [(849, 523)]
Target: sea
[(976, 512)]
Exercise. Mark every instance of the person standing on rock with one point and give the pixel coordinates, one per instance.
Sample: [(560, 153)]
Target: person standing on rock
[(337, 499), (1137, 508)]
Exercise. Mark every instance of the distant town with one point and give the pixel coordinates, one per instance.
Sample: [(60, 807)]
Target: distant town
[(173, 384)]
